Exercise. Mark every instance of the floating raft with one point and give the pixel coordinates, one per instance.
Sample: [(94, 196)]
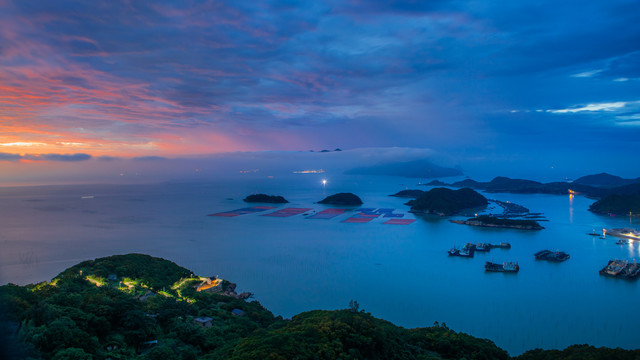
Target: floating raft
[(399, 221), (243, 211), (327, 214), (286, 212), (361, 218)]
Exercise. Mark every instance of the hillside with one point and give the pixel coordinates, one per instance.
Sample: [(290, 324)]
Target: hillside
[(81, 315), (605, 180), (445, 202), (617, 204), (263, 198), (502, 184), (341, 199)]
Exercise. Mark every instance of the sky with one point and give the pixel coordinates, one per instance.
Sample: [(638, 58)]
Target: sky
[(497, 85)]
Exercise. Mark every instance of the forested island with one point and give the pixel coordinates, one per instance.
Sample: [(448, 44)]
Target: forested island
[(412, 194), (491, 221), (617, 205), (139, 307), (341, 199), (446, 202), (263, 198)]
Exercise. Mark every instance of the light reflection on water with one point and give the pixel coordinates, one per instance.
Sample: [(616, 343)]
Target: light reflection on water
[(400, 273)]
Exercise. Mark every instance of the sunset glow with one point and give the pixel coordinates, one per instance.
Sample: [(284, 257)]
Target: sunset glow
[(183, 79)]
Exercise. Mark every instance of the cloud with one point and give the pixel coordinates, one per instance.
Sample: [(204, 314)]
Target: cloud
[(9, 157), (126, 79), (612, 106), (588, 74), (149, 158), (45, 157)]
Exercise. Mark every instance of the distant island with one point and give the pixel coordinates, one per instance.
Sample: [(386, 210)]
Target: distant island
[(139, 307), (595, 186), (413, 194), (414, 169), (605, 180), (617, 205), (341, 199), (446, 202), (262, 198), (491, 221)]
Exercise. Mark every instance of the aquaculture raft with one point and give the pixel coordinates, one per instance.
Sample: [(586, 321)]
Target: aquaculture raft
[(286, 212), (243, 211), (327, 214)]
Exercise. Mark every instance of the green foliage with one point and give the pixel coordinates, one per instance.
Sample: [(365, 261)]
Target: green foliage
[(447, 202), (72, 354), (341, 199), (155, 272), (581, 352), (346, 334), (75, 319), (617, 204)]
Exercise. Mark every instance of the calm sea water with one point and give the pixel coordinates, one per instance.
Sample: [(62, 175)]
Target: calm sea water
[(399, 273)]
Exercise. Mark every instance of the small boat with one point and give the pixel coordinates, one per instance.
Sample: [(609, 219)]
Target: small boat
[(464, 252), (508, 266), (622, 242), (470, 247), (483, 247)]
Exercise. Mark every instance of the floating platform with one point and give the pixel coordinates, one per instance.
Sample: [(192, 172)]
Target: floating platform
[(549, 255), (507, 267), (399, 221), (243, 211), (327, 214), (625, 233), (621, 268), (287, 212), (360, 218)]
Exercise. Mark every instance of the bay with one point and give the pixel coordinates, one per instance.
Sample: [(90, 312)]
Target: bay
[(399, 273)]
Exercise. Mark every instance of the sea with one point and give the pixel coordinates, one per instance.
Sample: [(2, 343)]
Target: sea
[(400, 273)]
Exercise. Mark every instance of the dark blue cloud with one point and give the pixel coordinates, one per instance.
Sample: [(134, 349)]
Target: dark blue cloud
[(45, 157), (149, 158), (9, 157), (59, 157)]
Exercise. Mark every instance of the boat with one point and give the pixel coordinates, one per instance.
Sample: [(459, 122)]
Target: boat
[(551, 255), (622, 242), (464, 252), (508, 266), (483, 247), (469, 247)]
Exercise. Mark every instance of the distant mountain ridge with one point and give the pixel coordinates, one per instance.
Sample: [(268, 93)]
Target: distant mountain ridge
[(601, 185), (605, 180), (415, 169)]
